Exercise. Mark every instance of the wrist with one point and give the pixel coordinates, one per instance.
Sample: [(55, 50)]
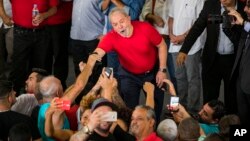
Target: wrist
[(163, 70)]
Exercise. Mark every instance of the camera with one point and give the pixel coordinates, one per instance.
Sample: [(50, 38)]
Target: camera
[(224, 19)]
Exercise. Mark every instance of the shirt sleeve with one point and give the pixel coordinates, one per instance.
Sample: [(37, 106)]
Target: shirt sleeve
[(153, 34), (147, 8), (106, 43)]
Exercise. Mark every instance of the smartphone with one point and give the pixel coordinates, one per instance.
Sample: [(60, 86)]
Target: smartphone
[(65, 104), (109, 116), (174, 101), (108, 71)]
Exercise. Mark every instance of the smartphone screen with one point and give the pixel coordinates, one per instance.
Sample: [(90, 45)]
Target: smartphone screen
[(174, 101), (110, 116), (108, 71)]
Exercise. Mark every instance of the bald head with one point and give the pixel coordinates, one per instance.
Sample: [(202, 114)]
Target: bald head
[(50, 86)]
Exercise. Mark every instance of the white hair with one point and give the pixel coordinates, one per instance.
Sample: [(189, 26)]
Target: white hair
[(49, 86), (167, 130)]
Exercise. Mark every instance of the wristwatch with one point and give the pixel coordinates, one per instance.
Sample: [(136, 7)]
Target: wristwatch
[(163, 69), (86, 130)]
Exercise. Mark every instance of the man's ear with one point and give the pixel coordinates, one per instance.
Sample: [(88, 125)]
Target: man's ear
[(152, 122)]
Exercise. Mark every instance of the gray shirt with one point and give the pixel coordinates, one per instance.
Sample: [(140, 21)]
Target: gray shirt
[(87, 20)]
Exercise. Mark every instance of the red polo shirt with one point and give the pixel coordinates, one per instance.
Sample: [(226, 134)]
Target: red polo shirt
[(63, 14), (22, 11), (152, 137), (138, 53)]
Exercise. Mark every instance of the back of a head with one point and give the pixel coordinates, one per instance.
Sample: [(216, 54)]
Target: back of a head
[(214, 137), (189, 129), (167, 130), (218, 107), (20, 132), (226, 121), (5, 88), (50, 86)]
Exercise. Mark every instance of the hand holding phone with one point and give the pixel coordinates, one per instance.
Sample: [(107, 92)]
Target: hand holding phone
[(174, 102), (108, 71), (109, 116), (65, 104)]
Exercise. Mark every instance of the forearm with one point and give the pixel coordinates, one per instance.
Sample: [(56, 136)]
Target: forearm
[(49, 129), (150, 99), (118, 3), (50, 12), (81, 82), (170, 25), (162, 52), (105, 4)]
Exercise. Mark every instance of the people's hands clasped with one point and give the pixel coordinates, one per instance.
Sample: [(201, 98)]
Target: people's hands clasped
[(171, 88), (93, 57), (181, 57), (177, 39)]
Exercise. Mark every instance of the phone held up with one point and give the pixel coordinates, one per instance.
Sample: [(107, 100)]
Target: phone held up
[(65, 104), (108, 71), (174, 102), (109, 116)]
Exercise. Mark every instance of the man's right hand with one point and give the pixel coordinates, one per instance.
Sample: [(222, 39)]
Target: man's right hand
[(7, 20)]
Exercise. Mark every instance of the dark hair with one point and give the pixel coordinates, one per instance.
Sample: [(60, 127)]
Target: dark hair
[(214, 137), (189, 129), (41, 73), (226, 122), (20, 132), (218, 107), (5, 87)]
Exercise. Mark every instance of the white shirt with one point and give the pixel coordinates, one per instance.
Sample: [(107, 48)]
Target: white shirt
[(25, 103), (185, 13), (8, 11), (225, 46), (161, 9)]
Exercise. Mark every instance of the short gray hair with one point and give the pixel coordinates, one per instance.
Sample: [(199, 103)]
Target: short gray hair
[(150, 111), (167, 130), (119, 10), (49, 86)]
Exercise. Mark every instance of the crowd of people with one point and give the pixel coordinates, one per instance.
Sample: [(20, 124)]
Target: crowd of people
[(121, 49)]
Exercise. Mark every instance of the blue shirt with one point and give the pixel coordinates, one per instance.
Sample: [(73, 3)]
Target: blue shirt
[(209, 128), (41, 122), (87, 20)]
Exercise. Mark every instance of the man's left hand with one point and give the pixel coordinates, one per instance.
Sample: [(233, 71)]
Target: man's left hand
[(160, 76)]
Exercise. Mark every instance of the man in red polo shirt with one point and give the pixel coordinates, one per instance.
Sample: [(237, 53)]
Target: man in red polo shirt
[(58, 30), (30, 47), (139, 47)]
